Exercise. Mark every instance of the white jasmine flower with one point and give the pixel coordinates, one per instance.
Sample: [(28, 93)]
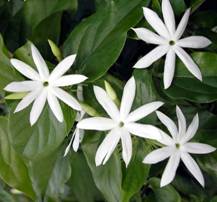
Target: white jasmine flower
[(121, 124), (45, 86), (168, 39), (178, 147), (78, 134)]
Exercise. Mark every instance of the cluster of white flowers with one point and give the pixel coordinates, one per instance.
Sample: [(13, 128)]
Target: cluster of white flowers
[(122, 123)]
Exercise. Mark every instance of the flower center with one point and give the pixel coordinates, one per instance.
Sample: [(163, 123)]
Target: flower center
[(121, 124), (172, 43), (45, 83), (177, 146)]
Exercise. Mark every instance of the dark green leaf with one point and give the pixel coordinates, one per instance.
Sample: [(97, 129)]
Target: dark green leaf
[(99, 39)]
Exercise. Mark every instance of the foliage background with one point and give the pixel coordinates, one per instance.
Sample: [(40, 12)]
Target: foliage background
[(31, 159)]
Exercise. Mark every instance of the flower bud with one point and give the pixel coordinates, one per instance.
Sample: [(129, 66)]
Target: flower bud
[(89, 110), (55, 50)]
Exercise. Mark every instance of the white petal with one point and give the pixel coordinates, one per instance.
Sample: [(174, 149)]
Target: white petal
[(192, 129), (158, 155), (62, 67), (96, 123), (106, 102), (25, 69), (154, 20), (198, 148), (107, 147), (149, 36), (181, 123), (27, 100), (55, 106), (38, 106), (168, 16), (182, 25), (76, 140), (40, 63), (127, 98), (67, 98), (70, 143), (165, 139), (188, 62), (143, 111), (194, 42), (170, 170), (126, 146), (192, 166), (170, 125), (169, 68), (151, 57), (144, 130), (22, 86), (69, 80), (80, 95)]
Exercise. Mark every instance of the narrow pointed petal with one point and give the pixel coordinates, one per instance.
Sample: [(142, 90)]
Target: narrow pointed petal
[(144, 111), (27, 100), (55, 106), (40, 63), (198, 148), (127, 98), (192, 129), (38, 106), (168, 16), (169, 68), (158, 155), (107, 147), (194, 42), (154, 20), (170, 125), (126, 147), (69, 80), (151, 57), (182, 25), (62, 67), (149, 36), (106, 102), (170, 170), (22, 86), (96, 123), (67, 98), (144, 130), (166, 139), (25, 69), (76, 140), (188, 62), (193, 168), (181, 123), (70, 144)]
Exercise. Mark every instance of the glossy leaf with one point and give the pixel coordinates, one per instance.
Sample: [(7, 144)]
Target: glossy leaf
[(99, 39)]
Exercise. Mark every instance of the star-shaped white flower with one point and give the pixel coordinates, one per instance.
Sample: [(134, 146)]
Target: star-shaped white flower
[(178, 147), (169, 42), (45, 86), (121, 124)]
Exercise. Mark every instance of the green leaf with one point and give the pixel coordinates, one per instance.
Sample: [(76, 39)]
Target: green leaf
[(35, 11), (7, 72), (137, 172), (81, 180), (106, 177), (41, 139), (163, 194), (93, 40), (145, 92), (12, 170)]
